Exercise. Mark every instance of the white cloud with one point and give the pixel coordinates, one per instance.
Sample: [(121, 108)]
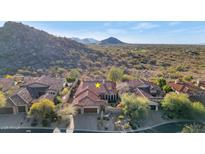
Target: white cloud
[(145, 26)]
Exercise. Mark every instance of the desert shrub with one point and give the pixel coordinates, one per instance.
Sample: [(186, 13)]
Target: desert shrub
[(167, 89), (115, 74), (127, 77), (198, 110), (121, 117), (188, 78), (161, 82)]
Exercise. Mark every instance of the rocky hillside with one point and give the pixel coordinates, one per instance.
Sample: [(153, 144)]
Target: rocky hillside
[(22, 46)]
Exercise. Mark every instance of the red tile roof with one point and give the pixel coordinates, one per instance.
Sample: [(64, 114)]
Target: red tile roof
[(6, 84), (106, 87), (183, 87), (88, 90), (88, 98)]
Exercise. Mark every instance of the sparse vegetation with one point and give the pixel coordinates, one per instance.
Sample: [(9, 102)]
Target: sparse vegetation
[(194, 128)]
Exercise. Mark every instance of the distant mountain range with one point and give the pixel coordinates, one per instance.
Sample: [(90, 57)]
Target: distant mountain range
[(85, 40), (111, 41), (108, 41)]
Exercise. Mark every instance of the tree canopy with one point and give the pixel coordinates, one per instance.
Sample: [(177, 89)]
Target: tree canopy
[(2, 99), (180, 107), (42, 109), (198, 110), (177, 106), (74, 73), (136, 108), (115, 74)]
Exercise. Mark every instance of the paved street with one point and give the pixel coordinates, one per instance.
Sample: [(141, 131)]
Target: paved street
[(10, 120)]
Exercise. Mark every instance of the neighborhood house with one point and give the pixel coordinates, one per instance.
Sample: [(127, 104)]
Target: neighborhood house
[(194, 92), (33, 89), (91, 99), (144, 89)]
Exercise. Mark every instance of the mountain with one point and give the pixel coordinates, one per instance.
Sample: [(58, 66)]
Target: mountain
[(111, 41), (85, 40), (22, 46)]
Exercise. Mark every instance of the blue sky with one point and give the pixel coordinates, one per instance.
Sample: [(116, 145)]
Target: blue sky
[(131, 32)]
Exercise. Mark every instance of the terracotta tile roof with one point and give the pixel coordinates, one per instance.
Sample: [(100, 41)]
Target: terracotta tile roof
[(6, 84), (88, 98), (106, 87), (183, 87), (88, 91)]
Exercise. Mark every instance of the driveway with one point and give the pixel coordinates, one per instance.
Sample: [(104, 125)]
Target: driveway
[(86, 121), (90, 122)]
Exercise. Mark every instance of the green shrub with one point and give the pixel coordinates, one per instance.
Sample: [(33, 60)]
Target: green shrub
[(59, 100), (126, 126), (161, 82), (198, 110), (167, 88), (121, 117), (136, 108), (177, 106)]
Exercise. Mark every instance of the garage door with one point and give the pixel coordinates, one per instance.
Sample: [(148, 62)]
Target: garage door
[(21, 109), (90, 110), (6, 110)]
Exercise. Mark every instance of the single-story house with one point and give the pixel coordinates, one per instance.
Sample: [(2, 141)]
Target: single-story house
[(194, 92), (32, 90), (144, 89), (91, 99)]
